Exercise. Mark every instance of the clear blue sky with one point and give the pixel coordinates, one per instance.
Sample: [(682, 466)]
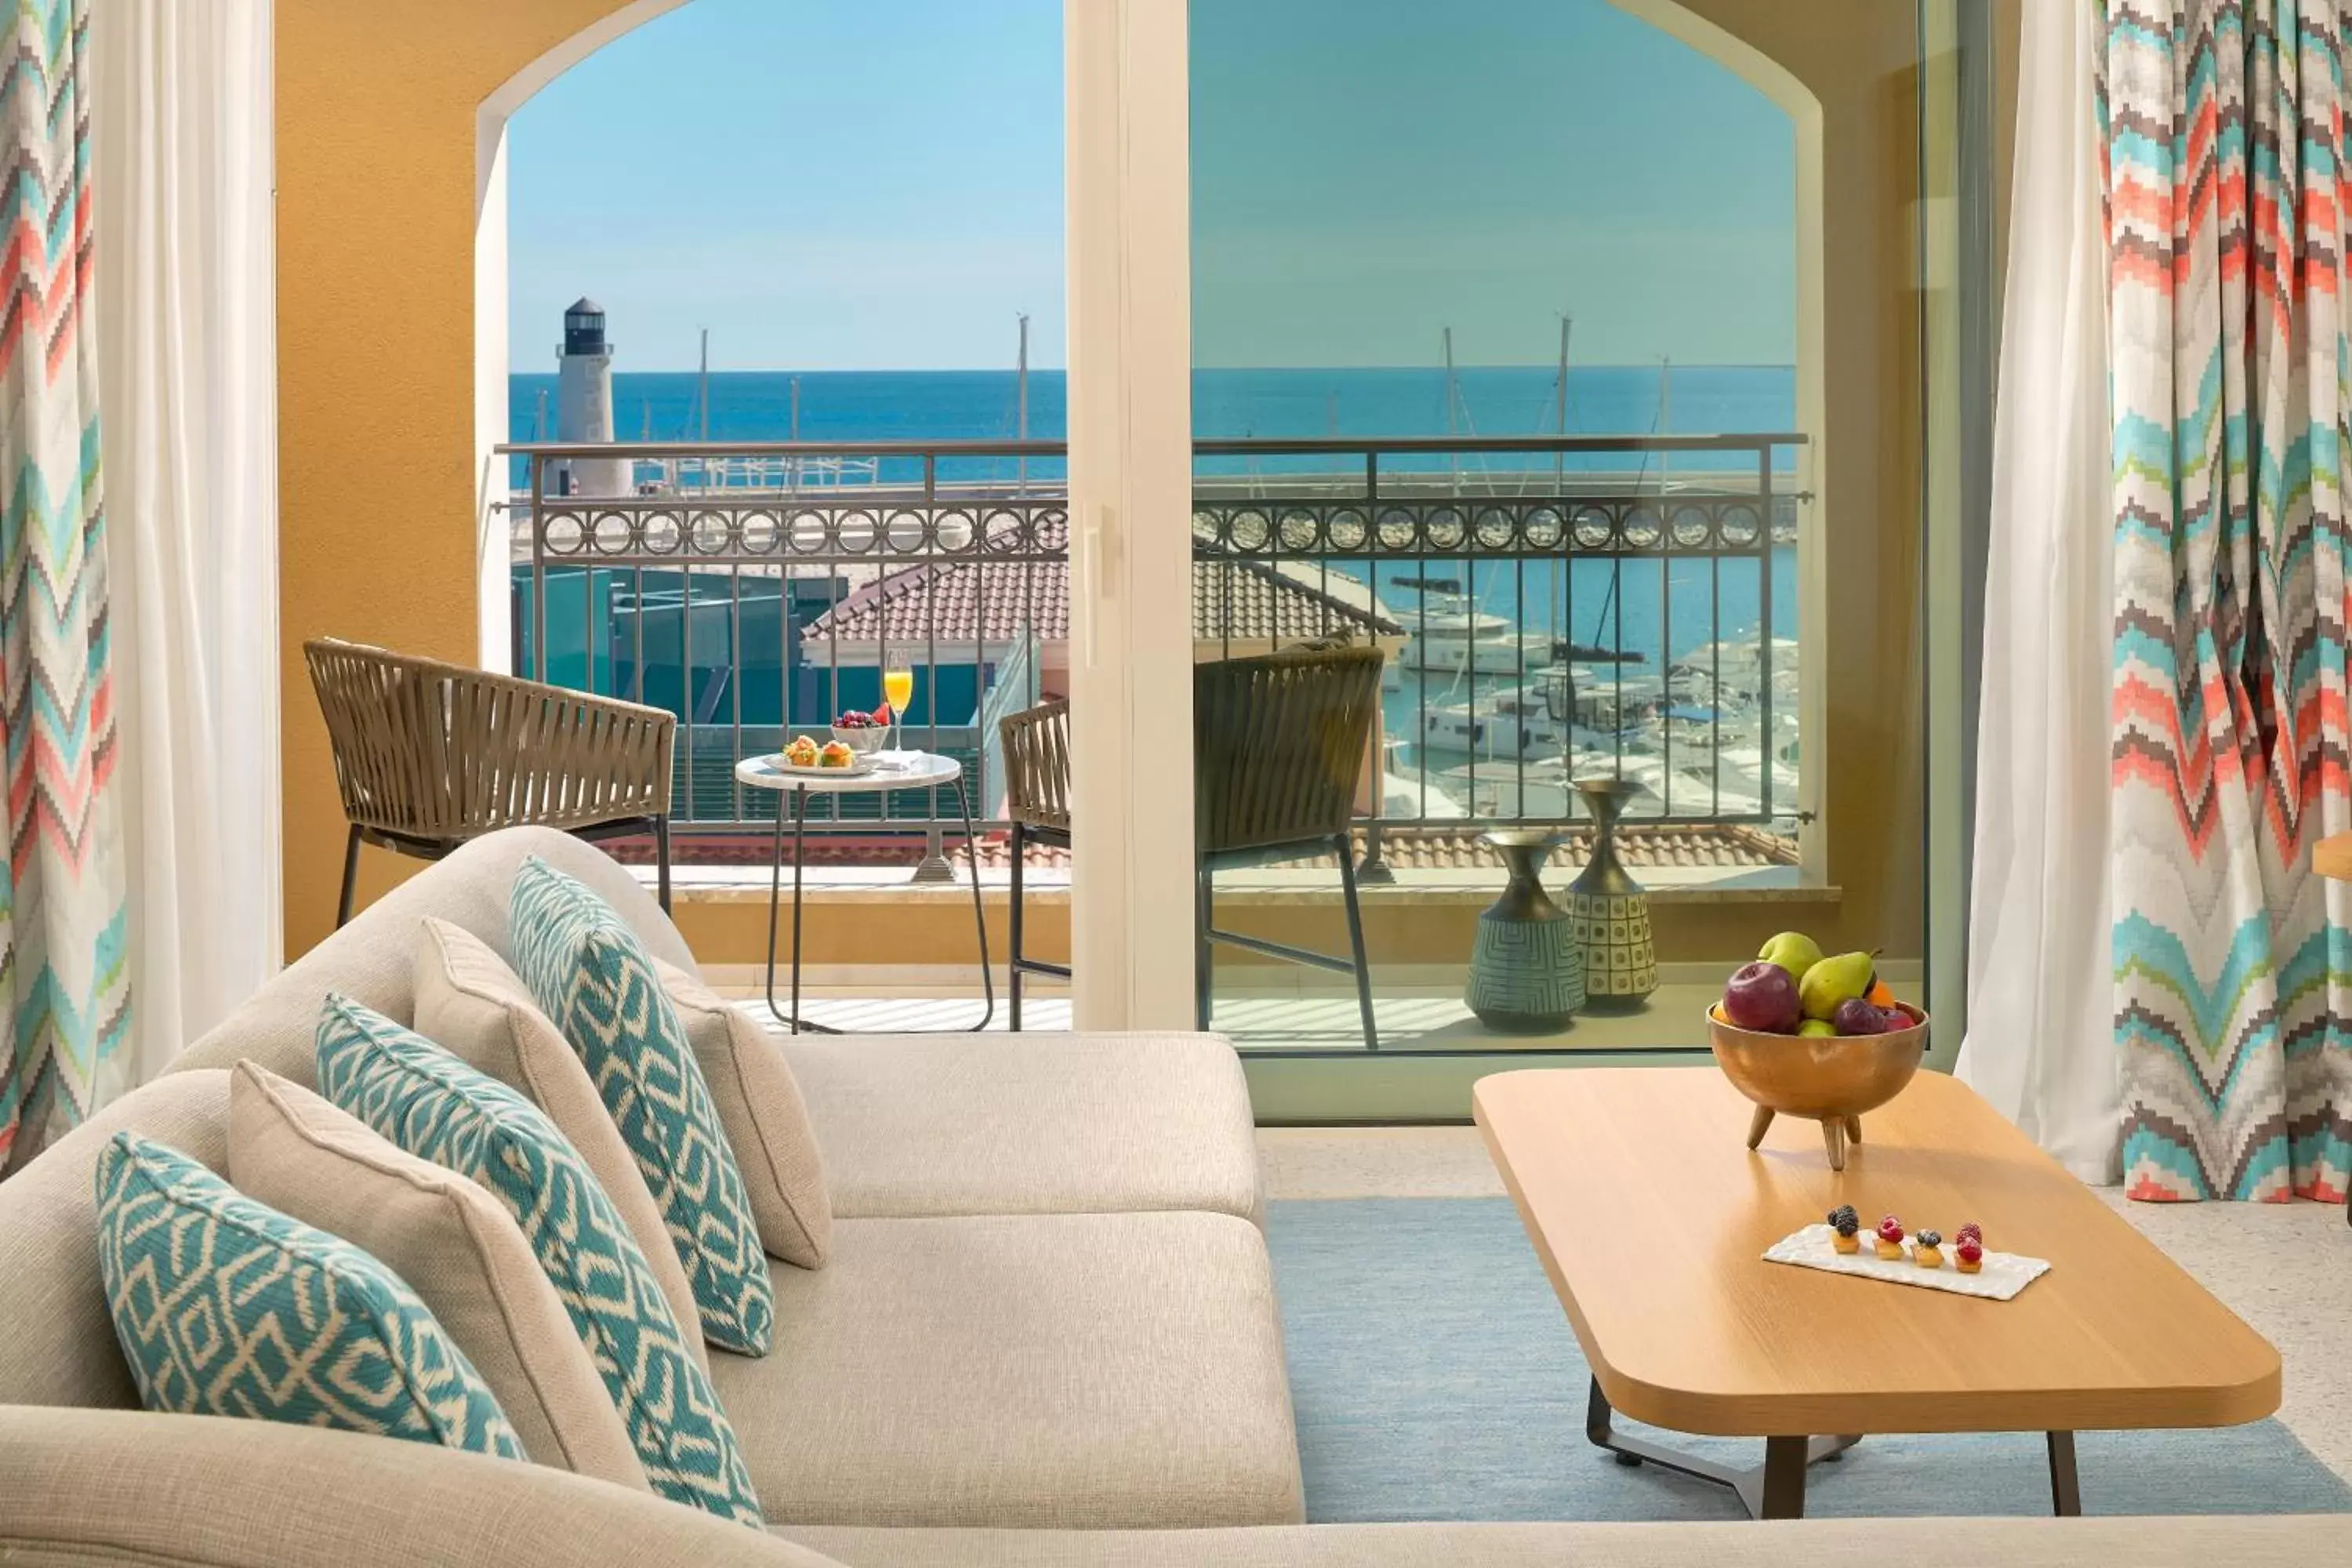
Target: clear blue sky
[(877, 184)]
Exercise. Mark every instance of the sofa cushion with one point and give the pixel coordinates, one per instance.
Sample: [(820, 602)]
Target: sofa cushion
[(436, 1106), (56, 1342), (453, 1243), (596, 981), (470, 1004), (115, 1487), (1031, 1123), (766, 1121), (368, 960), (225, 1307), (1067, 1371)]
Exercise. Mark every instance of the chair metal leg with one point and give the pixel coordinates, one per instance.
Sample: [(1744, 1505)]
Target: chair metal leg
[(350, 877), (1356, 942), (661, 856), (1018, 843), (1204, 900)]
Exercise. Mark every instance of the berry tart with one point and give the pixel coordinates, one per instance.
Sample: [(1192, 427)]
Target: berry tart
[(1845, 1226), (1927, 1249), (1890, 1238), (1968, 1257)]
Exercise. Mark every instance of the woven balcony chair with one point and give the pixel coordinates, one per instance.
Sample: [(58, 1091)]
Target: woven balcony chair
[(1279, 741), (1036, 746), (429, 755)]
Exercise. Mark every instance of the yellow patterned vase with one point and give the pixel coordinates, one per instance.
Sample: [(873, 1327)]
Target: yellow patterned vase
[(1611, 912)]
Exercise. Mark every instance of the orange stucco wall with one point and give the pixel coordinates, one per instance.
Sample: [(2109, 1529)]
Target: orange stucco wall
[(376, 116)]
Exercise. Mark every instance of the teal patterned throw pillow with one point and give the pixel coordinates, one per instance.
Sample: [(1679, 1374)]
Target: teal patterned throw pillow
[(595, 980), (433, 1105), (226, 1307)]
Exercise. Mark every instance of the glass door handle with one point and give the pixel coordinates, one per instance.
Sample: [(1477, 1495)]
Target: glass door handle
[(1099, 532)]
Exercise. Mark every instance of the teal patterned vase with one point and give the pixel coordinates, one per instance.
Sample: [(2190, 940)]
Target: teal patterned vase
[(1527, 970), (1611, 911)]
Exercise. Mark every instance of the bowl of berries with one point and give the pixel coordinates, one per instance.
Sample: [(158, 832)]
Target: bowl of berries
[(864, 734), (1822, 1038)]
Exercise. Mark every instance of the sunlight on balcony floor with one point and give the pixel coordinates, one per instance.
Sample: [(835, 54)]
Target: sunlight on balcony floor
[(1277, 1022)]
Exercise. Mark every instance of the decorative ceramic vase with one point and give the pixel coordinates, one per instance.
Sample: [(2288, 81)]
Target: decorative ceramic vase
[(1610, 912), (1527, 972)]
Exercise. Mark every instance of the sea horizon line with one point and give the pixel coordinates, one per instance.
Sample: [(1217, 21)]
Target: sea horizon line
[(1221, 369)]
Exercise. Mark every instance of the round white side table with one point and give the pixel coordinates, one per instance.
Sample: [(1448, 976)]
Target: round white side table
[(891, 771)]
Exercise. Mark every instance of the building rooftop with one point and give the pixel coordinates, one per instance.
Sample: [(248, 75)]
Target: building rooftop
[(996, 601)]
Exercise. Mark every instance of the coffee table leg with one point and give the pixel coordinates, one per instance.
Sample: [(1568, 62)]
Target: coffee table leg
[(1773, 1489), (1782, 1494), (2065, 1485)]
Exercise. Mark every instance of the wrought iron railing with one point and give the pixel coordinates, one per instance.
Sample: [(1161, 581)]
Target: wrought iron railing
[(1552, 606)]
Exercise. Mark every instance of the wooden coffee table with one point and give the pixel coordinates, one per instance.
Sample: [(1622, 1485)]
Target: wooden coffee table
[(1652, 1217)]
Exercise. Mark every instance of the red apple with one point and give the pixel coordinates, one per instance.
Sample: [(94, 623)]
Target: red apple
[(1762, 999)]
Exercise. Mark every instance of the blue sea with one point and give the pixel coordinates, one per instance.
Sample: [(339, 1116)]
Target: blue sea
[(1624, 603)]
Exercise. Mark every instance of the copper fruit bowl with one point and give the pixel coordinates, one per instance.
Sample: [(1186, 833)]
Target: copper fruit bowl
[(1830, 1078)]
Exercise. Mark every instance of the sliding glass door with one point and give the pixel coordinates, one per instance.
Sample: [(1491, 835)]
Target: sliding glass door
[(1532, 625)]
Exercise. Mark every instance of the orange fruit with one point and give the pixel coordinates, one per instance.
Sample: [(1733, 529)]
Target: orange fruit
[(1880, 994)]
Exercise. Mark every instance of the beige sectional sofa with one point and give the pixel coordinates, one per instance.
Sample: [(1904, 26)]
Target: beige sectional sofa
[(1048, 1333)]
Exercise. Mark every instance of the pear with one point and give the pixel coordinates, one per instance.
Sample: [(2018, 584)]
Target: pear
[(1833, 981), (1792, 951)]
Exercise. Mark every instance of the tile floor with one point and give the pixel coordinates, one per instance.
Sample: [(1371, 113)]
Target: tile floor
[(2285, 1269)]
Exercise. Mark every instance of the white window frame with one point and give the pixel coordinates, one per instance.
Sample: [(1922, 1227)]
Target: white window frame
[(1130, 422)]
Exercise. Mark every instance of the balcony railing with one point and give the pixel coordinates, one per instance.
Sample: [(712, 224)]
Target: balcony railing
[(1552, 607)]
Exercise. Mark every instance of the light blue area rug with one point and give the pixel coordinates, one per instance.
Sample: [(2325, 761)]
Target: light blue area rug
[(1437, 1377)]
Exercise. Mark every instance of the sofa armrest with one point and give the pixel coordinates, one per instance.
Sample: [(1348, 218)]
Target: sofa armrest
[(120, 1486)]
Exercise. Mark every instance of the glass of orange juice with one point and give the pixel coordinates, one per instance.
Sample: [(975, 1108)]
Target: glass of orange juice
[(897, 690)]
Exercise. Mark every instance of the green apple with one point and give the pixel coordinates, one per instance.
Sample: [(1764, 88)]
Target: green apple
[(1792, 951), (1816, 1026)]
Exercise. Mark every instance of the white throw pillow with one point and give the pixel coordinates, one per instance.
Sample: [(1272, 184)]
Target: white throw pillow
[(763, 1116), (450, 1242)]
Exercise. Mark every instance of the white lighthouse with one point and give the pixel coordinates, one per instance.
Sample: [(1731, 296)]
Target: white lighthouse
[(583, 404)]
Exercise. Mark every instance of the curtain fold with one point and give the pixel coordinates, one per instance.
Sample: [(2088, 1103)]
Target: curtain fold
[(62, 978), (183, 146), (2224, 132), (2039, 1044)]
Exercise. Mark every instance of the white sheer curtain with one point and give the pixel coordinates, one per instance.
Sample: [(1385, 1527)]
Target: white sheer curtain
[(2041, 1040), (181, 156)]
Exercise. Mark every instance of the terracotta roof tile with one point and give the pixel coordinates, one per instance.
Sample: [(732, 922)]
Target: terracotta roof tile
[(996, 601)]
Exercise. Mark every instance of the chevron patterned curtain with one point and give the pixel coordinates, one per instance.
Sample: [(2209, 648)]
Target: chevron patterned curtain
[(62, 898), (2224, 131)]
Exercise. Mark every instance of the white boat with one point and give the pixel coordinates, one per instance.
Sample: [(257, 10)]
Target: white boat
[(1502, 652), (1406, 798), (1571, 708)]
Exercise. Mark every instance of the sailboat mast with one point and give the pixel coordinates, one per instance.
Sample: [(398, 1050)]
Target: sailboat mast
[(1665, 412), (702, 385), (1457, 459), (1559, 397), (1021, 397)]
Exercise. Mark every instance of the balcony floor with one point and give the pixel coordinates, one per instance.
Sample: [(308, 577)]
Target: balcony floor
[(1426, 1020)]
